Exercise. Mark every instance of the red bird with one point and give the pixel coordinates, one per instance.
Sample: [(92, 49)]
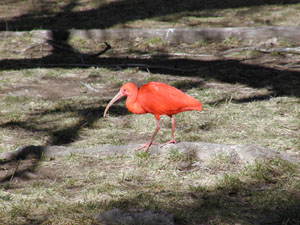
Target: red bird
[(158, 99)]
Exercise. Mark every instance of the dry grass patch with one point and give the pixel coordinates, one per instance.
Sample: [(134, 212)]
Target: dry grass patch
[(73, 189)]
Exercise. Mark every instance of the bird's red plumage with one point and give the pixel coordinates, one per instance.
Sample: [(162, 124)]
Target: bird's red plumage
[(158, 99), (162, 99)]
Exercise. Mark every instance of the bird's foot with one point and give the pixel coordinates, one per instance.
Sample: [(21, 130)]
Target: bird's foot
[(172, 141), (147, 146)]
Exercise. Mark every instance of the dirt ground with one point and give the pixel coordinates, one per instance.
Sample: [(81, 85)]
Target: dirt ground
[(71, 190)]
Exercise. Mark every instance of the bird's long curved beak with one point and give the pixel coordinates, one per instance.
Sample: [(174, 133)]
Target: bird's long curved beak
[(116, 98)]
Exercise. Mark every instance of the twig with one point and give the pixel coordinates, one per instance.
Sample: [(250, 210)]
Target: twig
[(278, 50), (291, 66), (295, 50), (177, 54), (90, 87), (238, 50), (32, 46), (65, 47), (13, 175), (62, 46)]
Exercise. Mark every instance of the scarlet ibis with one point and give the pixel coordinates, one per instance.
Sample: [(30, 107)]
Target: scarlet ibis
[(158, 99)]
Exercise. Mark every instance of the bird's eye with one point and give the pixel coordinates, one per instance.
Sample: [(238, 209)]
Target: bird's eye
[(124, 90)]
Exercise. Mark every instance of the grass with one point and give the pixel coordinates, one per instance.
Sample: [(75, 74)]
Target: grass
[(247, 99), (71, 190), (74, 195), (90, 186)]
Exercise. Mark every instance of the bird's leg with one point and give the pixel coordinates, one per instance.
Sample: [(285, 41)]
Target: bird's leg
[(172, 140), (148, 144)]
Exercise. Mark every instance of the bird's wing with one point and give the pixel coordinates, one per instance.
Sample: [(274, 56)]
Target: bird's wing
[(161, 99)]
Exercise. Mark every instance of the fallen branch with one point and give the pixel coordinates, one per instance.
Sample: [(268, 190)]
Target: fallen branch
[(32, 46), (288, 50), (295, 50), (290, 66), (103, 51), (176, 54)]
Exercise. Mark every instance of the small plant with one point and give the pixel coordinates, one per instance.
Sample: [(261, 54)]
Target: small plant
[(201, 43), (231, 41), (229, 183), (105, 188), (271, 170), (220, 162), (153, 41), (22, 209), (142, 155), (198, 188), (175, 155)]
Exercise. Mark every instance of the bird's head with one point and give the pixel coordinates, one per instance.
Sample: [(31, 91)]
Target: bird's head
[(126, 90)]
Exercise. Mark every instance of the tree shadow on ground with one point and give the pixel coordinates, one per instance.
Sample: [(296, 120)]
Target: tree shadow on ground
[(45, 15), (232, 201), (226, 206), (67, 134), (21, 165), (24, 163), (278, 81)]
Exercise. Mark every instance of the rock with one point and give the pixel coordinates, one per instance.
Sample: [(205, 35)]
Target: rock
[(137, 217), (198, 150), (235, 153), (270, 42)]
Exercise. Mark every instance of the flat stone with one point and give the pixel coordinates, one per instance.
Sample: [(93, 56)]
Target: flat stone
[(200, 150)]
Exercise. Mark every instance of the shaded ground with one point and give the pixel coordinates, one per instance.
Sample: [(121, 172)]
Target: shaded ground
[(277, 72), (81, 14), (192, 190), (274, 74)]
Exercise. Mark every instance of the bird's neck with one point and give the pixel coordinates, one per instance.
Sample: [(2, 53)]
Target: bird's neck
[(132, 104)]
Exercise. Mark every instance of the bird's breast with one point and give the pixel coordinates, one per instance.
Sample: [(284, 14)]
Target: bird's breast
[(135, 107)]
